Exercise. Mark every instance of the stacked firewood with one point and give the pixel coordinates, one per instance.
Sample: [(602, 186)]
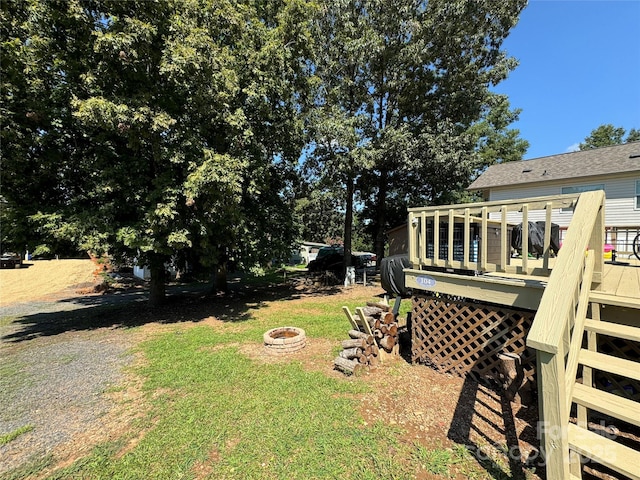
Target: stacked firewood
[(383, 325), (362, 350), (358, 353)]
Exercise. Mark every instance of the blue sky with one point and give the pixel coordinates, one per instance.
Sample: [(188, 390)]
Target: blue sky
[(579, 68)]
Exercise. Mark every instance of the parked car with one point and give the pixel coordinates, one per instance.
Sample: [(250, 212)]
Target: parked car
[(10, 260), (332, 250)]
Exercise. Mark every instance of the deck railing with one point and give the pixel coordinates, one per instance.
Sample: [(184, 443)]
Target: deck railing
[(477, 236), (558, 329)]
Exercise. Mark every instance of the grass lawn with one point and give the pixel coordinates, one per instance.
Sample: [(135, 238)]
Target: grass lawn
[(211, 410)]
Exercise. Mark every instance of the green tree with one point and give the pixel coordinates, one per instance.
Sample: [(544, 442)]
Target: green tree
[(406, 85), (606, 135), (164, 129)]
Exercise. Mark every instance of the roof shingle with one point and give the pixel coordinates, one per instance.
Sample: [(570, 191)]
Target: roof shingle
[(586, 163)]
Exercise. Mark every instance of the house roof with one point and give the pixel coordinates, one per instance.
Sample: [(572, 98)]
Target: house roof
[(586, 163)]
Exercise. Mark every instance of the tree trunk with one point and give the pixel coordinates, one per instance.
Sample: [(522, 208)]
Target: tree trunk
[(219, 278), (157, 285), (348, 224), (381, 216)]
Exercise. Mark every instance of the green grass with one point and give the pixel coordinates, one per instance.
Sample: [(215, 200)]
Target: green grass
[(215, 413), (241, 418), (9, 437)]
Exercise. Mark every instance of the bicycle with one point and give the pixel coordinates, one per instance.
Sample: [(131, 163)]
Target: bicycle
[(636, 246)]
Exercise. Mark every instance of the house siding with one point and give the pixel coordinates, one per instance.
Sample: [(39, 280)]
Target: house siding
[(620, 206)]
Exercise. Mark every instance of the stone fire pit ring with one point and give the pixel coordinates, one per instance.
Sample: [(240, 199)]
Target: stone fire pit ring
[(283, 340)]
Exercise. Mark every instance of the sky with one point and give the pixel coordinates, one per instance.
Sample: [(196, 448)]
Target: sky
[(579, 68)]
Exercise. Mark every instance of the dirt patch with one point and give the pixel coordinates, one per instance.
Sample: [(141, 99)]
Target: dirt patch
[(44, 279)]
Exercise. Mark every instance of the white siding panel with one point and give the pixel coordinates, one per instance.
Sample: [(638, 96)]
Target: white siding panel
[(620, 208)]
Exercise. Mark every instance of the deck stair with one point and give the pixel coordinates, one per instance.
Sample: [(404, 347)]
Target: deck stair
[(589, 399)]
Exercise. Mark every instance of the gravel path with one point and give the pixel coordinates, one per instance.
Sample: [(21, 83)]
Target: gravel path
[(53, 380), (56, 387), (58, 356)]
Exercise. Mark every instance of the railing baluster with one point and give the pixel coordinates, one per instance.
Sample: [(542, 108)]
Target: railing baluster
[(436, 237), (578, 326), (450, 238), (414, 241), (547, 238), (525, 239), (424, 259), (467, 239), (483, 240), (504, 248)]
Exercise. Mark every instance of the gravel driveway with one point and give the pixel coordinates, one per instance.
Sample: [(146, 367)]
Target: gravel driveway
[(59, 355), (53, 376)]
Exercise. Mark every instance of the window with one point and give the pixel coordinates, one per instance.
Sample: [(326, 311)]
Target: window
[(637, 194), (581, 189)]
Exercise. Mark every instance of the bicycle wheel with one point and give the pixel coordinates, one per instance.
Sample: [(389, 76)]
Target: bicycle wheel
[(636, 246)]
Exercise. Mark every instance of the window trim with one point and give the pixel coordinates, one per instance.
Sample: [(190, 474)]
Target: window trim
[(580, 189)]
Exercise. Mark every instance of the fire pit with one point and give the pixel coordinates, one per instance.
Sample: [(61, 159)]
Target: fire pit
[(282, 340)]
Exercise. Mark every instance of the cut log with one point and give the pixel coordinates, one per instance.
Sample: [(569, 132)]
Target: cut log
[(348, 366), (357, 334), (511, 373), (374, 361), (370, 320), (362, 358), (378, 333), (381, 306), (377, 324), (372, 311), (351, 352), (354, 343), (389, 318), (392, 329), (387, 342), (368, 350), (375, 351)]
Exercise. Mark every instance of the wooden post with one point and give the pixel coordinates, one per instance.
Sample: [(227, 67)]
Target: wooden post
[(547, 237), (596, 243), (502, 267), (553, 413), (483, 241)]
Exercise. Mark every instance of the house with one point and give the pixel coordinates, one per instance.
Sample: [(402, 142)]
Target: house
[(398, 240), (614, 169)]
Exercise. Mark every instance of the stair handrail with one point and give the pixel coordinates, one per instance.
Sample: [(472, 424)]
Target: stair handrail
[(577, 271)]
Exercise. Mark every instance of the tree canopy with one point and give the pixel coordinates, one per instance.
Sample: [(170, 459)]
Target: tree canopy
[(174, 129), (404, 111), (606, 135), (155, 129)]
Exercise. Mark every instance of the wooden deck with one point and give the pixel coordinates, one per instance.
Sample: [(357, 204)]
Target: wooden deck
[(586, 326), (620, 283), (621, 279)]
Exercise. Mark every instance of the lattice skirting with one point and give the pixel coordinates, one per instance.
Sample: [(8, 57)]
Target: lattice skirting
[(462, 337)]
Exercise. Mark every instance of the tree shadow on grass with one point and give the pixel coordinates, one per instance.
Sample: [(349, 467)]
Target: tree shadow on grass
[(184, 303)]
